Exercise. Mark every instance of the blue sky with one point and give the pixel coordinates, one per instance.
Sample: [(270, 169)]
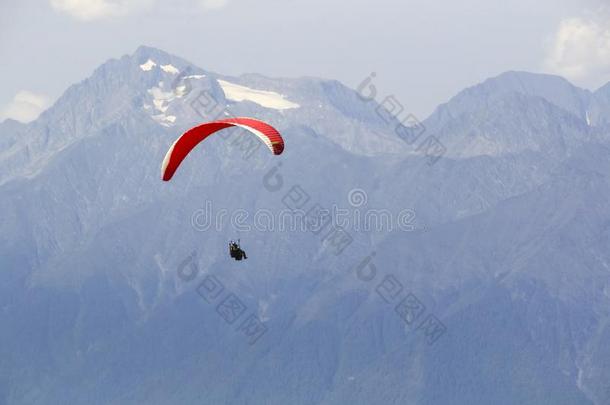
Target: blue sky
[(423, 52)]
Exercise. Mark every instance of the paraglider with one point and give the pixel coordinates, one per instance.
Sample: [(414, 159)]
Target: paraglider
[(235, 251), (191, 138)]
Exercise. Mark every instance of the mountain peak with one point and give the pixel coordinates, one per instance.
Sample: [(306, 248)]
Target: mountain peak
[(553, 89), (149, 57), (525, 78), (604, 90), (144, 51)]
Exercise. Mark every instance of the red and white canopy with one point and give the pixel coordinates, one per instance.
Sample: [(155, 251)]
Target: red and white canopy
[(191, 138)]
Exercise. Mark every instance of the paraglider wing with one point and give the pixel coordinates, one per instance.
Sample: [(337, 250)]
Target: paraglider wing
[(191, 138)]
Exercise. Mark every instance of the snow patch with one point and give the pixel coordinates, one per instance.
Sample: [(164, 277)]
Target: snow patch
[(161, 100), (170, 69), (268, 99), (165, 120), (180, 91), (159, 105), (148, 65)]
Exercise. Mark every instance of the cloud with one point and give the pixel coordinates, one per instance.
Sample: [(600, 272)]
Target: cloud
[(25, 106), (87, 10), (213, 4), (580, 48)]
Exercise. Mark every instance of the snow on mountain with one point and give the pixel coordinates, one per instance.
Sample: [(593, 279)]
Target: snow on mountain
[(148, 65), (507, 245), (170, 69), (268, 99)]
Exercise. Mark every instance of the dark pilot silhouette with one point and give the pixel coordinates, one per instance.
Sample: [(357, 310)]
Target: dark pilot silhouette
[(235, 251)]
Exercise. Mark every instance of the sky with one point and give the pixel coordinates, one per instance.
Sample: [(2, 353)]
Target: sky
[(422, 52)]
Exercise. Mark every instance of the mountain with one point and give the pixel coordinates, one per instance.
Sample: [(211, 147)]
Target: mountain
[(600, 110), (113, 284)]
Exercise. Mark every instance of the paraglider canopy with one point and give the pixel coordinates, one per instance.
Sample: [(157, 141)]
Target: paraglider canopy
[(191, 138)]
